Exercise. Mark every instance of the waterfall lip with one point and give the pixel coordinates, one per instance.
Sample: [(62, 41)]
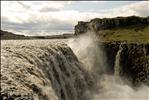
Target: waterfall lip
[(41, 67)]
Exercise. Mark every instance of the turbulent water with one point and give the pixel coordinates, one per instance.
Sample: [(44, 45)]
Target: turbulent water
[(61, 70), (108, 87), (41, 70)]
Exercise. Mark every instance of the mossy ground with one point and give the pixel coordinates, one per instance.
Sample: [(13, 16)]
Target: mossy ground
[(128, 34)]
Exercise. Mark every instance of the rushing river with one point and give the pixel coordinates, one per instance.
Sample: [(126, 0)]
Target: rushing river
[(61, 70)]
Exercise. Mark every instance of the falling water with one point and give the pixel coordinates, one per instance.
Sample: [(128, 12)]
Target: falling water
[(117, 66), (41, 70), (49, 70), (108, 87)]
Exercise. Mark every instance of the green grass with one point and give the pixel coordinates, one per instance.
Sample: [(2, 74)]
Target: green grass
[(128, 34)]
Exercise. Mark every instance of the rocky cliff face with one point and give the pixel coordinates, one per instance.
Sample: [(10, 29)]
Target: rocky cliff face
[(133, 60), (98, 24)]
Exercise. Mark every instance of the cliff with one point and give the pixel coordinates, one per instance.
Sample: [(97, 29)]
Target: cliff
[(125, 41), (129, 29), (133, 60), (98, 24)]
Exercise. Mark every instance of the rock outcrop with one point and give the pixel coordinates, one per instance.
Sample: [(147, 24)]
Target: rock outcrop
[(133, 60), (131, 57), (98, 24)]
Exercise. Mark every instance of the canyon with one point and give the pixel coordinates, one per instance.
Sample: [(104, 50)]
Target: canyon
[(78, 68)]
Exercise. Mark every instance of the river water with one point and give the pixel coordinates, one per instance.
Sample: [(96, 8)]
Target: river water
[(63, 69)]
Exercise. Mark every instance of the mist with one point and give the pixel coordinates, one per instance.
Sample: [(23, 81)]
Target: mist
[(108, 87), (86, 48)]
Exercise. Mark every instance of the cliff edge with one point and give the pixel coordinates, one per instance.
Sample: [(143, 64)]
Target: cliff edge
[(130, 29), (125, 41)]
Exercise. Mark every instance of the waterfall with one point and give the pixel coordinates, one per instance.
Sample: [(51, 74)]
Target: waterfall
[(41, 71), (49, 70), (117, 66)]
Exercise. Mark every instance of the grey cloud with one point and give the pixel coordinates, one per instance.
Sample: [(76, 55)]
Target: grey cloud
[(141, 8), (48, 9), (24, 5), (34, 28), (142, 12)]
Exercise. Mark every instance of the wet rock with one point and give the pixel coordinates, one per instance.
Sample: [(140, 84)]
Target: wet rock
[(134, 60)]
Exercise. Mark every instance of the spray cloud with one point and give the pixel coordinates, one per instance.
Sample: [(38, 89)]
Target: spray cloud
[(109, 87)]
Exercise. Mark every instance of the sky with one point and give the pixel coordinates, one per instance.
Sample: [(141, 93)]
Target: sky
[(58, 17)]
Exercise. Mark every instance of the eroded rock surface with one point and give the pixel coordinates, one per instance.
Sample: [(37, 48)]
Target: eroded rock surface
[(133, 60), (98, 24)]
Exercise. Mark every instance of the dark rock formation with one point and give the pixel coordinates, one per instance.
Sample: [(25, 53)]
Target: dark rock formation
[(134, 60), (133, 57), (108, 23)]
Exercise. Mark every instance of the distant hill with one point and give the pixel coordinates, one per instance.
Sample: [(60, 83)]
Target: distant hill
[(10, 35), (5, 35), (130, 29)]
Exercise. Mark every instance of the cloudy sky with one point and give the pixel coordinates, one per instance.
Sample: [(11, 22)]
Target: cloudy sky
[(57, 17)]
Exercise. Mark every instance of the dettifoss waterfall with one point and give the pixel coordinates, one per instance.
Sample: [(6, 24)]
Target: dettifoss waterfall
[(60, 70)]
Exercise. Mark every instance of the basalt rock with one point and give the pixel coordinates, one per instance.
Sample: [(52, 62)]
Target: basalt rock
[(98, 24), (133, 60)]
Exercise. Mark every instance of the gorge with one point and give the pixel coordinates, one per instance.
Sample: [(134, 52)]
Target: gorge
[(84, 67)]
